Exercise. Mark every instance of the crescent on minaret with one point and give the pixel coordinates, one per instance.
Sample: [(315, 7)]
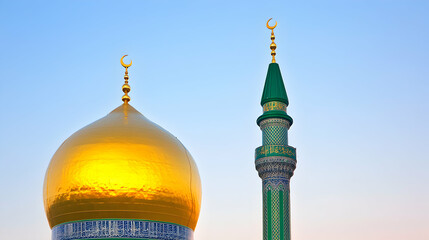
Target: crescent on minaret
[(126, 65), (268, 26)]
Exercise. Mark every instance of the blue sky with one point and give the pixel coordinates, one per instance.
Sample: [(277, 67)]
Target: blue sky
[(356, 73)]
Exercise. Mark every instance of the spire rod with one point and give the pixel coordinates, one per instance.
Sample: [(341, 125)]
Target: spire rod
[(273, 45), (126, 88)]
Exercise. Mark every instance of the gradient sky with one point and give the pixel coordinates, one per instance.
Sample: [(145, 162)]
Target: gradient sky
[(356, 73)]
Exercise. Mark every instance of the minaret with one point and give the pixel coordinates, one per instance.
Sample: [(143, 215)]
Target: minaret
[(275, 160)]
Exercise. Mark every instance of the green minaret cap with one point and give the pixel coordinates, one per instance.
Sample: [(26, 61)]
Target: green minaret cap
[(274, 89)]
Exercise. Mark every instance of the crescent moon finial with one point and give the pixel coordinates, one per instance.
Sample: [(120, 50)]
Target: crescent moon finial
[(126, 65), (271, 27), (126, 88), (273, 45)]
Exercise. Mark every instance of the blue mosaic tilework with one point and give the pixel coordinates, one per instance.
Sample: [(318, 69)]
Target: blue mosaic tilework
[(117, 229)]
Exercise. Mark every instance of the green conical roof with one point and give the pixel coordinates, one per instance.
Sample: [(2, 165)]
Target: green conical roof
[(274, 89)]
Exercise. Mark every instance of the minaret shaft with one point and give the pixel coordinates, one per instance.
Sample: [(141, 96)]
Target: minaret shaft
[(275, 163), (276, 209)]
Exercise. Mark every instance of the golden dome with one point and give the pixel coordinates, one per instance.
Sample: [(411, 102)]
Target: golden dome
[(122, 166)]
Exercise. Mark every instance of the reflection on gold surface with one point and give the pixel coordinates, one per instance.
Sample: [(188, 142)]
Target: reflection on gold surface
[(122, 166)]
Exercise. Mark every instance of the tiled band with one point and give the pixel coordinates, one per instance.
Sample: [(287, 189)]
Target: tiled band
[(120, 229)]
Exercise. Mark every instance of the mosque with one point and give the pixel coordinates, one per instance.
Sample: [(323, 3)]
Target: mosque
[(125, 177)]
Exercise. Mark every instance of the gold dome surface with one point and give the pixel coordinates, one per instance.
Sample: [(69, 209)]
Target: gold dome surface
[(122, 166)]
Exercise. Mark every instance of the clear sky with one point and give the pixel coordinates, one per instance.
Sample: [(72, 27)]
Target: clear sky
[(356, 73)]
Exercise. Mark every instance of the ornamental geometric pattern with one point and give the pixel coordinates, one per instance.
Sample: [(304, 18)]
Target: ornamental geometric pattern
[(276, 209), (282, 169), (287, 213), (276, 121), (275, 215), (275, 160), (274, 134), (121, 229), (265, 210)]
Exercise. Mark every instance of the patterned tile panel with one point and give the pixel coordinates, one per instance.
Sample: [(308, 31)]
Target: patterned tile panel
[(117, 229), (287, 213), (274, 134), (276, 212)]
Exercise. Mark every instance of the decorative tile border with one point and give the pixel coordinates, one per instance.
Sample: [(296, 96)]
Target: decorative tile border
[(275, 150), (121, 229), (276, 121), (275, 159)]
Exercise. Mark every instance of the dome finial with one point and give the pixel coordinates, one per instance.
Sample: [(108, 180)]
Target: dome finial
[(273, 45), (126, 88)]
